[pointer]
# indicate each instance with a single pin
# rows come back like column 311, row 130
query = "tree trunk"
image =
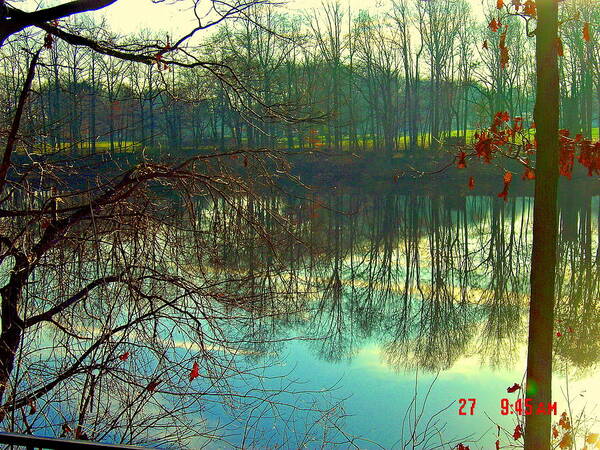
column 12, row 324
column 543, row 260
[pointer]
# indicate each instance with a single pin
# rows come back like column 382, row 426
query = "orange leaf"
column 530, row 8
column 554, row 432
column 591, row 438
column 195, row 373
column 494, row 25
column 471, row 183
column 507, row 180
column 499, row 4
column 566, row 441
column 529, row 174
column 503, row 57
column 586, row 32
column 559, row 47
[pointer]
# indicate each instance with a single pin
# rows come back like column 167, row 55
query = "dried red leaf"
column 48, row 40
column 461, row 164
column 518, row 432
column 471, row 183
column 515, row 387
column 507, row 180
column 589, row 156
column 554, row 432
column 483, row 147
column 124, row 356
column 152, row 386
column 564, row 421
column 195, row 373
column 494, row 25
column 567, row 154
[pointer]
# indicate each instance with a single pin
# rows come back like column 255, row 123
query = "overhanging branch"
column 19, row 20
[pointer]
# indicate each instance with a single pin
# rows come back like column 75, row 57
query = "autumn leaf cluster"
column 508, row 137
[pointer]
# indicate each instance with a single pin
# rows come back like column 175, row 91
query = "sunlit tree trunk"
column 543, row 263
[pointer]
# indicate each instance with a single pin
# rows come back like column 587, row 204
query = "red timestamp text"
column 463, row 403
column 526, row 407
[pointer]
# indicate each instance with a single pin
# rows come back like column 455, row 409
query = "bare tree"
column 115, row 294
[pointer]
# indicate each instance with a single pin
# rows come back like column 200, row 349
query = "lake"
column 395, row 306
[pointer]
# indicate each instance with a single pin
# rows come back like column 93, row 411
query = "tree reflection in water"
column 428, row 278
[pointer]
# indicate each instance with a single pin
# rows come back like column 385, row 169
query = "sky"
column 177, row 17
column 127, row 16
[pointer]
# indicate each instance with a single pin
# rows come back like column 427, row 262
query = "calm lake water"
column 397, row 307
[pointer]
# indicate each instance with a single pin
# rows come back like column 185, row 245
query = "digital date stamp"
column 521, row 407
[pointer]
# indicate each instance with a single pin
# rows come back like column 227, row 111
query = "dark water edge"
column 422, row 172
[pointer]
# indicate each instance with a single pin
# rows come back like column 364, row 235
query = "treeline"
column 406, row 77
